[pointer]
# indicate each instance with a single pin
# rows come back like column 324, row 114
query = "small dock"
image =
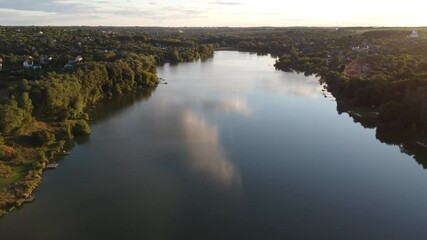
column 351, row 113
column 29, row 199
column 64, row 153
column 421, row 144
column 52, row 166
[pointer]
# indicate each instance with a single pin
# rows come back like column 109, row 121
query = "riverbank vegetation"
column 379, row 77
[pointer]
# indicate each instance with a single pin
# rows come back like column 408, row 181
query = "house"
column 28, row 63
column 413, row 34
column 79, row 58
column 72, row 63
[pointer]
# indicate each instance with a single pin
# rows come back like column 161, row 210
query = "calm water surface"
column 228, row 149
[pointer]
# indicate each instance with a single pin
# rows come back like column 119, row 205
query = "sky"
column 213, row 13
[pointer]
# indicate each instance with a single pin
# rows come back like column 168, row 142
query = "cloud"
column 23, row 17
column 133, row 13
column 98, row 12
column 210, row 13
column 181, row 10
column 78, row 8
column 219, row 2
column 54, row 6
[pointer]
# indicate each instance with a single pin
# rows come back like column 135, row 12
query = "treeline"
column 307, row 63
column 394, row 86
column 40, row 116
column 162, row 53
column 61, row 44
column 185, row 54
column 400, row 103
column 65, row 96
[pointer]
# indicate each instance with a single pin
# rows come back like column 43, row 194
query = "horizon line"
column 265, row 26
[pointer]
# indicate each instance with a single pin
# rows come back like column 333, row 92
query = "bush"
column 1, row 140
column 5, row 171
column 13, row 118
column 7, row 153
column 43, row 138
column 81, row 127
column 40, row 156
column 64, row 133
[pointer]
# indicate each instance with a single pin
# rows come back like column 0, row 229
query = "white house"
column 79, row 58
column 414, row 34
column 28, row 63
column 72, row 63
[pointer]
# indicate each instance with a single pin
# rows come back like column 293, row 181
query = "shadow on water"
column 117, row 104
column 105, row 110
column 407, row 142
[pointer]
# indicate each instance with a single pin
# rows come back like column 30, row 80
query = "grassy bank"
column 26, row 155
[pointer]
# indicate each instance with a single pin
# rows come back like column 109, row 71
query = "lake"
column 229, row 148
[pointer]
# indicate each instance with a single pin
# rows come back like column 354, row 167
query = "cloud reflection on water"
column 297, row 85
column 236, row 105
column 206, row 155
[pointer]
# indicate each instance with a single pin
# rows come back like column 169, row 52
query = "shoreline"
column 53, row 154
column 35, row 178
column 26, row 173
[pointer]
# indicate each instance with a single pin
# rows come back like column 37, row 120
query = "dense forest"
column 386, row 72
column 51, row 76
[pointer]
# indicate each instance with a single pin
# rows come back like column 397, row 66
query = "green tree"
column 43, row 138
column 13, row 118
column 81, row 127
